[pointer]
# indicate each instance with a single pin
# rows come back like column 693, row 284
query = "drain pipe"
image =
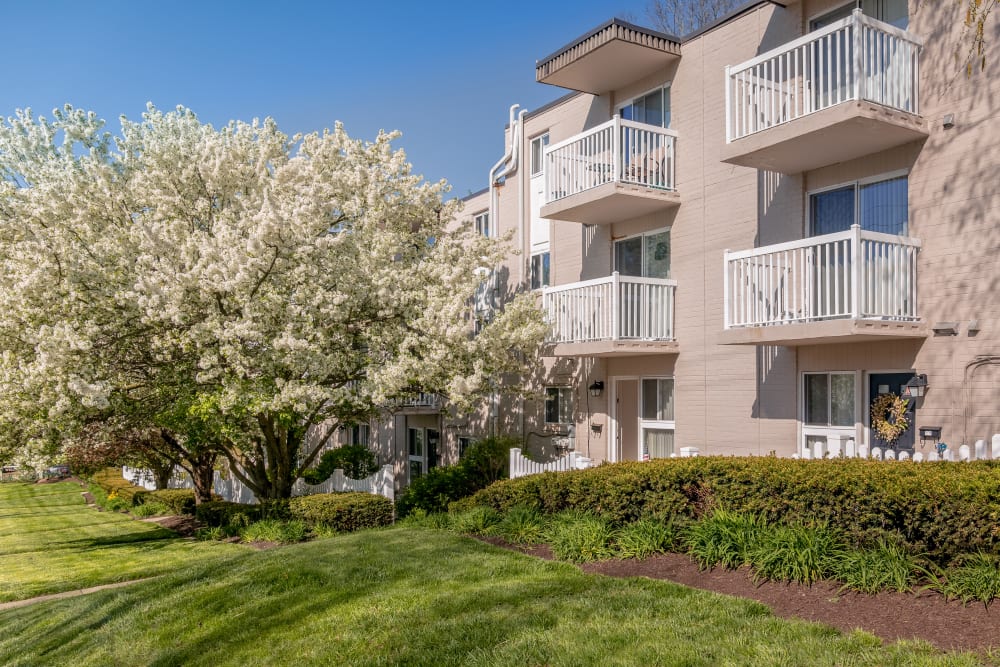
column 494, row 176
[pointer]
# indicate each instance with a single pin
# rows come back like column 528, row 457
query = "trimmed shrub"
column 938, row 509
column 113, row 484
column 178, row 501
column 150, row 508
column 343, row 512
column 219, row 513
column 484, row 462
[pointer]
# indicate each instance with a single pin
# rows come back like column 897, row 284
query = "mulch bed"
column 891, row 616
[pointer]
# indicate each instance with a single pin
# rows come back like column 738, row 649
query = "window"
column 540, row 270
column 656, row 418
column 558, row 405
column 653, row 108
column 645, row 256
column 893, row 12
column 828, row 399
column 878, row 206
column 358, row 435
column 482, row 222
column 538, row 145
column 463, row 444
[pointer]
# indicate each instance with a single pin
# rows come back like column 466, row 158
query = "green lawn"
column 414, row 597
column 50, row 541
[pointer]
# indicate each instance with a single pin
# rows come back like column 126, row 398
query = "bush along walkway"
column 807, row 572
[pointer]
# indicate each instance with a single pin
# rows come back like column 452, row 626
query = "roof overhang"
column 613, row 54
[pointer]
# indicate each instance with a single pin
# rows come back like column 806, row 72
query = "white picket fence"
column 382, row 483
column 981, row 450
column 521, row 466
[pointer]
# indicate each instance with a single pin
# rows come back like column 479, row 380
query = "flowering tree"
column 273, row 287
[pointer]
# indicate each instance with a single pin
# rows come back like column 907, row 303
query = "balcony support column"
column 859, row 54
column 856, row 274
column 616, row 324
column 616, row 144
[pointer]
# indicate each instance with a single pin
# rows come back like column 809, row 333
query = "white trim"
column 806, row 430
column 541, row 153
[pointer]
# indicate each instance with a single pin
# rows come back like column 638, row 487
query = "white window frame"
column 477, row 222
column 559, row 405
column 631, row 101
column 542, row 140
column 543, row 280
column 819, row 430
column 651, row 232
column 657, row 424
column 857, row 183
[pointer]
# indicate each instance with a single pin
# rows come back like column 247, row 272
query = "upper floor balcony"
column 841, row 92
column 845, row 287
column 610, row 56
column 418, row 403
column 616, row 171
column 614, row 316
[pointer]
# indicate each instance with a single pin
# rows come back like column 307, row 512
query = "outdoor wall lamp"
column 596, row 388
column 916, row 386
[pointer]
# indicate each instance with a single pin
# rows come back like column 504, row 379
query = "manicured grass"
column 51, row 542
column 418, row 596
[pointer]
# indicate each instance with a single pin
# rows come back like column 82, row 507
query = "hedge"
column 222, row 513
column 342, row 511
column 940, row 510
column 179, row 501
column 111, row 480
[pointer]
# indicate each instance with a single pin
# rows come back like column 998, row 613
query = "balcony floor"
column 839, row 133
column 611, row 202
column 611, row 348
column 824, row 332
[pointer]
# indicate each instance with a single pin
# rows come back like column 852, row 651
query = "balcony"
column 614, row 316
column 846, row 287
column 845, row 91
column 611, row 56
column 418, row 404
column 616, row 171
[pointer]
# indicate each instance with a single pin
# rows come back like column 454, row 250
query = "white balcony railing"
column 848, row 275
column 420, row 400
column 616, row 151
column 856, row 58
column 613, row 308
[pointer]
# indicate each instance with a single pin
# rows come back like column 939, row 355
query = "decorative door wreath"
column 889, row 417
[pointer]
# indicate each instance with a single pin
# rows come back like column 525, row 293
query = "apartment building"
column 742, row 238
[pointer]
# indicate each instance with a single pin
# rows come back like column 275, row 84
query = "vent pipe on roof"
column 509, row 159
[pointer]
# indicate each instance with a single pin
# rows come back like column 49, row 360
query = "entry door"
column 880, row 383
column 627, row 419
column 433, row 440
column 417, row 448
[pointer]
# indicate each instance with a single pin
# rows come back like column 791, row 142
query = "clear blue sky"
column 443, row 73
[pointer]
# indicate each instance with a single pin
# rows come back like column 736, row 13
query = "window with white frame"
column 482, row 223
column 652, row 108
column 538, row 145
column 540, row 270
column 879, row 205
column 646, row 255
column 828, row 399
column 359, row 434
column 656, row 418
column 558, row 405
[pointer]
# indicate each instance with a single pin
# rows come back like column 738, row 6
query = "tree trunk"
column 161, row 475
column 203, row 474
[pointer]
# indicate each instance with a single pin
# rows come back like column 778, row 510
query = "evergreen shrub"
column 939, row 510
column 343, row 512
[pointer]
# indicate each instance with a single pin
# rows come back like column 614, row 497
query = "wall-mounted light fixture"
column 948, row 121
column 596, row 388
column 917, row 386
